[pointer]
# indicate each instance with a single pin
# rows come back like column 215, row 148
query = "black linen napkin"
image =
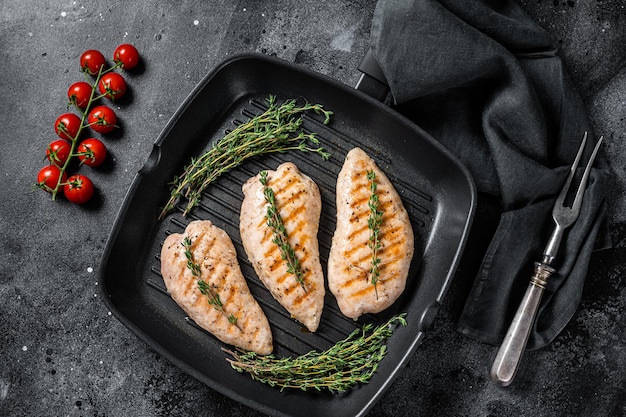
column 484, row 79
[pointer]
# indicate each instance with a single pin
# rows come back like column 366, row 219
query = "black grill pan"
column 436, row 190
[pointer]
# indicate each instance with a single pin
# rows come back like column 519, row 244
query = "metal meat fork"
column 510, row 352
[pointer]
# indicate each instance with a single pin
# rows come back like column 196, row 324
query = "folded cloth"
column 484, row 79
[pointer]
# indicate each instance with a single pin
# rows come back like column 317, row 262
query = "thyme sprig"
column 281, row 237
column 374, row 222
column 203, row 286
column 351, row 361
column 278, row 129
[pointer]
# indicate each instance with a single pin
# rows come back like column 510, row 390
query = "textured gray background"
column 61, row 351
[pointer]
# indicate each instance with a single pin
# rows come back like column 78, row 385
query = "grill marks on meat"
column 350, row 259
column 213, row 251
column 299, row 203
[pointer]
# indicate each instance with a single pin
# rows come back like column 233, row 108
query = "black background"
column 63, row 353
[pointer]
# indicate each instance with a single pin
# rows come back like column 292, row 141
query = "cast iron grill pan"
column 436, row 190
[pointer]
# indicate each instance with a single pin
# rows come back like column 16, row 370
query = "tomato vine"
column 102, row 82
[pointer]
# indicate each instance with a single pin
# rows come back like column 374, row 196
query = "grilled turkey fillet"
column 299, row 203
column 214, row 252
column 350, row 258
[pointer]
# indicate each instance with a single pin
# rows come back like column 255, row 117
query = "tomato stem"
column 74, row 140
column 100, row 88
column 88, row 156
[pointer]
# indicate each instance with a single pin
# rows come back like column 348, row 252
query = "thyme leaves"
column 281, row 238
column 349, row 362
column 278, row 129
column 374, row 223
column 203, row 286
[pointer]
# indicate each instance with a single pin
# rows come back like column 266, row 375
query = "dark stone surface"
column 62, row 353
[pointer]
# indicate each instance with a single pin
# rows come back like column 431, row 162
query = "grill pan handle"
column 372, row 80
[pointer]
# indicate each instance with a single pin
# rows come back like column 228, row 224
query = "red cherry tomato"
column 58, row 152
column 78, row 189
column 79, row 94
column 102, row 119
column 67, row 126
column 48, row 177
column 92, row 152
column 112, row 85
column 126, row 56
column 92, row 62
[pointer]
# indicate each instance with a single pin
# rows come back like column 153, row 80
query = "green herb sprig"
column 281, row 238
column 278, row 129
column 351, row 361
column 374, row 223
column 203, row 286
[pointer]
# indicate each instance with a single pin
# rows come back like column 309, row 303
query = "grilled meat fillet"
column 298, row 201
column 239, row 321
column 351, row 256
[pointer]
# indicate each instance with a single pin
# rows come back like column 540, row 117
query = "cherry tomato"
column 113, row 85
column 78, row 189
column 126, row 56
column 79, row 94
column 48, row 177
column 67, row 126
column 92, row 62
column 58, row 152
column 92, row 152
column 102, row 119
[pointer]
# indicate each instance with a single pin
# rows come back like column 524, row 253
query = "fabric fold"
column 484, row 79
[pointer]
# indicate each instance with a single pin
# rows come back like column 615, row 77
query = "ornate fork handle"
column 512, row 348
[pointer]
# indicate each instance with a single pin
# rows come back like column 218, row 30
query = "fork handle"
column 510, row 353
